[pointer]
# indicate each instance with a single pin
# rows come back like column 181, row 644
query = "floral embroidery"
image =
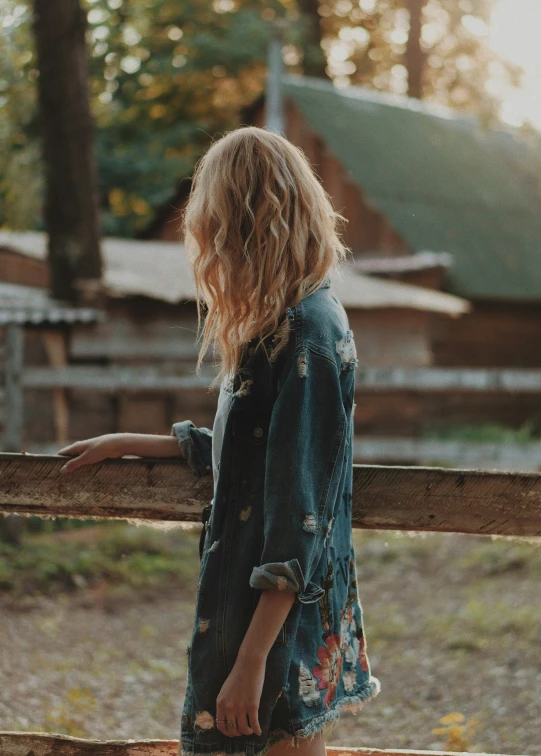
column 353, row 641
column 307, row 686
column 348, row 647
column 329, row 669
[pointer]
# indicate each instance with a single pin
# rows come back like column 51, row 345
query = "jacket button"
column 258, row 431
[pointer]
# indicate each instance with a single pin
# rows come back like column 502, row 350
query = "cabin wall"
column 495, row 334
column 410, row 414
column 392, row 338
column 140, row 331
column 25, row 271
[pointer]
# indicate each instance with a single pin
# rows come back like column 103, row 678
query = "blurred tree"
column 20, row 182
column 415, row 57
column 314, row 62
column 71, row 217
column 436, row 50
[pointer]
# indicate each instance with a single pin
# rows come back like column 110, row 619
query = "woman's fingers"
column 75, row 462
column 247, row 723
column 231, row 719
column 253, row 715
column 220, row 717
column 242, row 724
column 77, row 448
column 222, row 721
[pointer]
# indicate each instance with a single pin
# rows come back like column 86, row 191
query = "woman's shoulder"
column 319, row 322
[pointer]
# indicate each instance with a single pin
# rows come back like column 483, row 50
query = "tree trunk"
column 415, row 58
column 71, row 202
column 315, row 62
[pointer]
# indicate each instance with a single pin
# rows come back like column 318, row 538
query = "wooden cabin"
column 145, row 344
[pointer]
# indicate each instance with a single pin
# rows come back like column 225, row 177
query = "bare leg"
column 307, row 747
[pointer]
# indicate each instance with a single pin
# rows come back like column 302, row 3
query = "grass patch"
column 477, row 623
column 490, row 433
column 117, row 554
column 501, row 556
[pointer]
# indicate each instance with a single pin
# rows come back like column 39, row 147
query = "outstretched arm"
column 115, row 445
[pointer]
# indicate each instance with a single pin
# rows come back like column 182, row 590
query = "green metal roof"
column 443, row 181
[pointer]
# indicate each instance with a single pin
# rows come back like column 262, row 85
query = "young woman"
column 278, row 648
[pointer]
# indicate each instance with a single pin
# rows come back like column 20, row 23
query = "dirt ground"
column 453, row 626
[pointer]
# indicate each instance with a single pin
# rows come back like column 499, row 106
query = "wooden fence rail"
column 38, row 744
column 384, row 498
column 117, row 378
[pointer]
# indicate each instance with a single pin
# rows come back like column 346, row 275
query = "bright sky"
column 515, row 33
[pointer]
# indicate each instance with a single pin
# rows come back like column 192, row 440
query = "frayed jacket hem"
column 311, row 727
column 352, row 702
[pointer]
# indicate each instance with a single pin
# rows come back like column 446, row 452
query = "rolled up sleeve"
column 195, row 445
column 305, row 445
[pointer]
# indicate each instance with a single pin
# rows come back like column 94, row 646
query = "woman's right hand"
column 92, row 450
column 114, row 445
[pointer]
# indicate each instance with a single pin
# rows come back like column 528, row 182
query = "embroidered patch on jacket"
column 329, row 669
column 347, row 350
column 308, row 686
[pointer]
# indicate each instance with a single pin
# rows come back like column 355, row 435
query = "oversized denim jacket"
column 281, row 520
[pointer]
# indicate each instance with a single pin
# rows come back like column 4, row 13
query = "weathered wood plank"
column 111, row 379
column 38, row 744
column 376, row 379
column 148, row 489
column 447, row 379
column 395, row 498
column 13, row 412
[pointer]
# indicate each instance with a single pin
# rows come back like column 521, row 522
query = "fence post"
column 11, row 526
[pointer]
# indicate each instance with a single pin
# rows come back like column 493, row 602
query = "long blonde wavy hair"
column 261, row 234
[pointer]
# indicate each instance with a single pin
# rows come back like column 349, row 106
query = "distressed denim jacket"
column 281, row 520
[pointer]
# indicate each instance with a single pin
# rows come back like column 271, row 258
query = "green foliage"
column 21, row 180
column 481, row 622
column 500, row 556
column 494, row 433
column 166, row 77
column 115, row 554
